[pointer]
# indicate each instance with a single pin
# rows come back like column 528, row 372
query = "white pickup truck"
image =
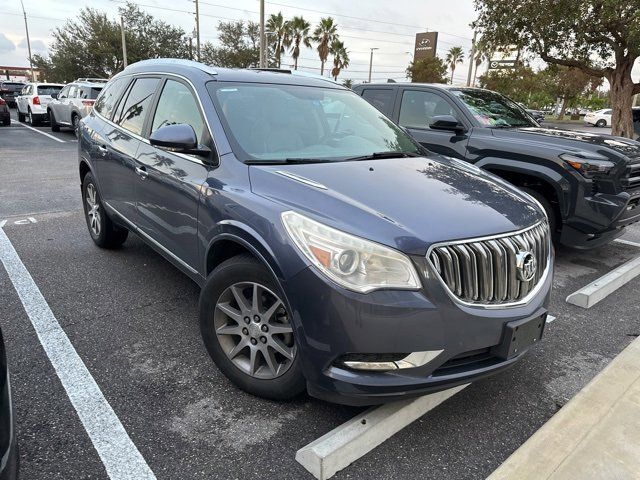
column 33, row 100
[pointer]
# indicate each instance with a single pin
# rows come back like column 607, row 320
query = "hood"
column 405, row 203
column 573, row 141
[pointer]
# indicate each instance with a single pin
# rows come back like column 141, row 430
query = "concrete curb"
column 594, row 436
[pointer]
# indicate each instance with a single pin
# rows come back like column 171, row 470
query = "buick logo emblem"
column 526, row 266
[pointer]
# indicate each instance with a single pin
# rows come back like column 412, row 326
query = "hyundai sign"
column 426, row 44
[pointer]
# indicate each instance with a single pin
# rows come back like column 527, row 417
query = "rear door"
column 415, row 111
column 59, row 106
column 168, row 189
column 381, row 98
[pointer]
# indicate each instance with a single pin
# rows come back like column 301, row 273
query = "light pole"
column 371, row 61
column 124, row 44
column 471, row 59
column 197, row 29
column 263, row 38
column 26, row 28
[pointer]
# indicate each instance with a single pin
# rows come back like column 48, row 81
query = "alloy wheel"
column 93, row 210
column 254, row 330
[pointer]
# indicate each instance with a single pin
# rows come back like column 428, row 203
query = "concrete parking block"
column 345, row 444
column 596, row 435
column 599, row 289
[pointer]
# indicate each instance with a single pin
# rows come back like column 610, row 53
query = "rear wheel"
column 75, row 120
column 247, row 329
column 34, row 120
column 601, row 123
column 554, row 222
column 7, row 121
column 52, row 119
column 20, row 116
column 103, row 231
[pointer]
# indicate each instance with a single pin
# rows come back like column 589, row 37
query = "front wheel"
column 52, row 119
column 20, row 116
column 75, row 123
column 552, row 215
column 103, row 231
column 247, row 329
column 601, row 123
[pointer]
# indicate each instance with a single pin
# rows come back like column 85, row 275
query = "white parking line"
column 38, row 131
column 627, row 242
column 121, row 458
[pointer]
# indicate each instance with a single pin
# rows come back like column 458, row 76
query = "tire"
column 6, row 122
column 103, row 231
column 552, row 214
column 75, row 120
column 20, row 116
column 34, row 120
column 601, row 123
column 284, row 379
column 52, row 119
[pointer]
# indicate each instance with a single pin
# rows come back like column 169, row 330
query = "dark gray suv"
column 334, row 253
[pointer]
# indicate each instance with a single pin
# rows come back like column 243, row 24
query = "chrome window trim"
column 487, row 306
column 154, row 242
column 142, row 139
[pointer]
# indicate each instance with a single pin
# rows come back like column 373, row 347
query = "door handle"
column 142, row 171
column 102, row 149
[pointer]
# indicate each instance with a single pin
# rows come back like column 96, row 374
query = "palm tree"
column 481, row 57
column 347, row 83
column 324, row 34
column 340, row 57
column 278, row 29
column 454, row 56
column 298, row 34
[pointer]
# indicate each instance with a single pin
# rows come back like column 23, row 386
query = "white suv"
column 74, row 102
column 33, row 100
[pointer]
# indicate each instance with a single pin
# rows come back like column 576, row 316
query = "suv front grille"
column 632, row 177
column 485, row 271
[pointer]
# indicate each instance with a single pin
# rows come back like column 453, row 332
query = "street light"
column 26, row 27
column 371, row 61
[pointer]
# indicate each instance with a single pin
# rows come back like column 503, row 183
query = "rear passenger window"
column 178, row 105
column 381, row 98
column 109, row 98
column 134, row 110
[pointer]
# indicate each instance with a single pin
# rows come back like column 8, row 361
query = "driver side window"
column 177, row 105
column 418, row 108
column 64, row 93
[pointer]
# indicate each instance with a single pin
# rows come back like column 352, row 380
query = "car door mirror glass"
column 178, row 137
column 54, row 95
column 445, row 122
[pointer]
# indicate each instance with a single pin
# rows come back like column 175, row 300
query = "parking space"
column 132, row 319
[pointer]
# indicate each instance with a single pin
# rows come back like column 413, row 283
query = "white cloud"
column 6, row 45
column 36, row 45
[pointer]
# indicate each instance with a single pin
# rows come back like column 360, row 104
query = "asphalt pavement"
column 132, row 318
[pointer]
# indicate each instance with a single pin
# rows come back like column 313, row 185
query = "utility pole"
column 190, row 48
column 263, row 38
column 472, row 58
column 371, row 62
column 197, row 29
column 124, row 44
column 26, row 27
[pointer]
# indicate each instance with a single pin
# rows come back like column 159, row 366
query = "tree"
column 601, row 38
column 454, row 56
column 340, row 58
column 239, row 46
column 427, row 70
column 347, row 83
column 520, row 84
column 298, row 35
column 324, row 35
column 278, row 27
column 569, row 83
column 91, row 45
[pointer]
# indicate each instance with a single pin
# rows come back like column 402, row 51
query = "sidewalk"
column 596, row 435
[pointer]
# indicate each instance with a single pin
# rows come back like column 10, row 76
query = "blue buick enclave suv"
column 334, row 253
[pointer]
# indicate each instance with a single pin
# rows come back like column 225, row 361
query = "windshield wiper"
column 285, row 161
column 379, row 155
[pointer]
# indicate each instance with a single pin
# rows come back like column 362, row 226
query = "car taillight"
column 36, row 100
column 88, row 103
column 2, row 102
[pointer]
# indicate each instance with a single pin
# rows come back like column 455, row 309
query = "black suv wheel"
column 103, row 231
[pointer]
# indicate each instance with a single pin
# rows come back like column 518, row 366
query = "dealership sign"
column 498, row 64
column 426, row 44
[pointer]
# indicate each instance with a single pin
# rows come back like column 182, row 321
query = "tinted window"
column 494, row 110
column 89, row 93
column 48, row 89
column 109, row 98
column 178, row 105
column 418, row 108
column 276, row 122
column 134, row 110
column 380, row 98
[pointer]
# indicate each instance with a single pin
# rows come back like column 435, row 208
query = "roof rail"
column 176, row 61
column 295, row 73
column 90, row 79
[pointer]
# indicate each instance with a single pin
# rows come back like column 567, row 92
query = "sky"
column 388, row 26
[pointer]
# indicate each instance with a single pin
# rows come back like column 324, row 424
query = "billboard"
column 426, row 44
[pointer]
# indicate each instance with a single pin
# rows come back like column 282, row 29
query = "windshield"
column 271, row 122
column 494, row 110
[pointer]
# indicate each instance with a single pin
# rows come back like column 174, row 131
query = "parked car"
column 333, row 252
column 33, row 100
column 73, row 102
column 5, row 113
column 588, row 184
column 9, row 91
column 538, row 115
column 8, row 442
column 599, row 118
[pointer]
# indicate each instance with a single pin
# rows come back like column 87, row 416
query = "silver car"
column 74, row 102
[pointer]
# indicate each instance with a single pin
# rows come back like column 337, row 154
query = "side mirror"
column 54, row 95
column 446, row 122
column 179, row 137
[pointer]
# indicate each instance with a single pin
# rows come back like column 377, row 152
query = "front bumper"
column 332, row 322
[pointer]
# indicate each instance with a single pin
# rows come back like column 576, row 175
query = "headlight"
column 350, row 261
column 588, row 167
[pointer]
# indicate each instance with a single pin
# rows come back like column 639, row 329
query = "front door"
column 417, row 109
column 168, row 191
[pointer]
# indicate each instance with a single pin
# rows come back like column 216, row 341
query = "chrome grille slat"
column 484, row 271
